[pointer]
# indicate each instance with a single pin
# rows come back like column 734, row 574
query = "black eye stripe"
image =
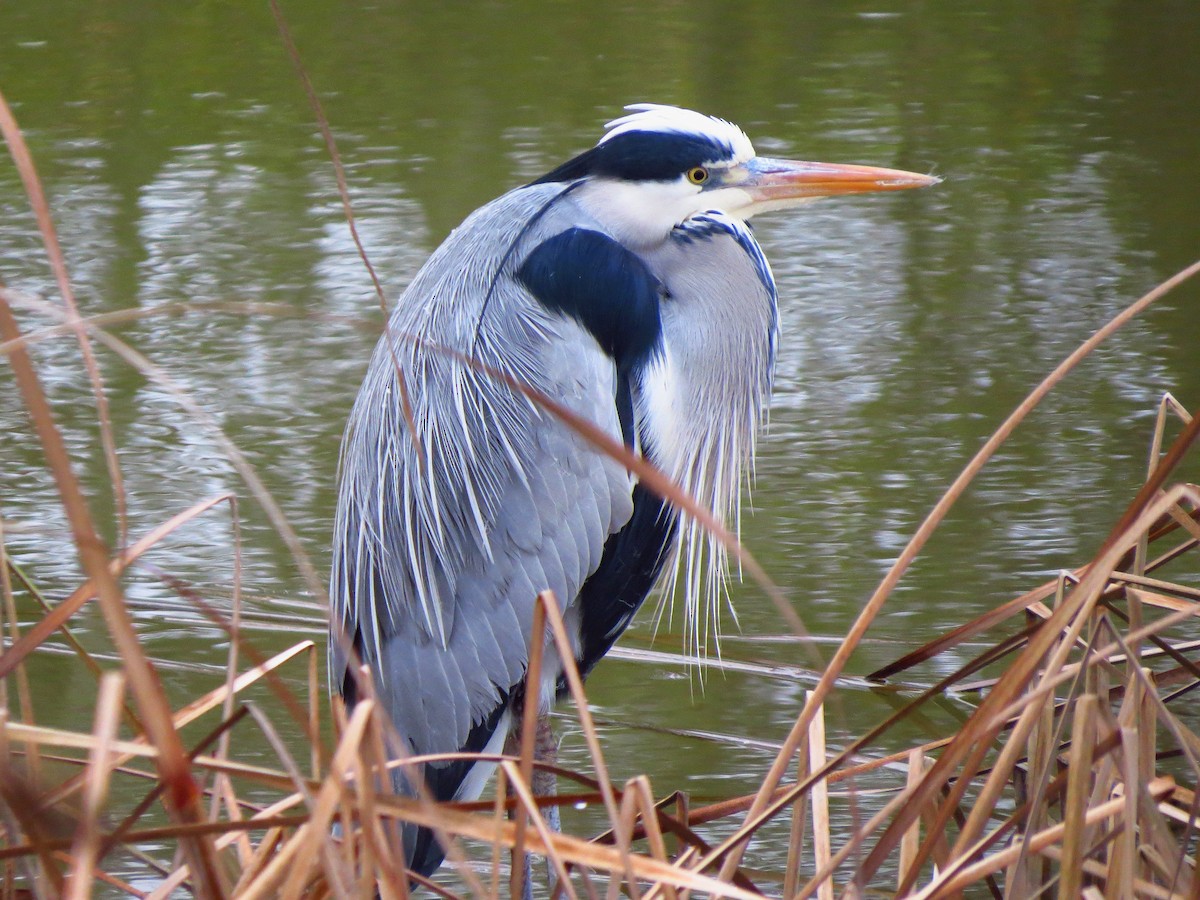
column 643, row 156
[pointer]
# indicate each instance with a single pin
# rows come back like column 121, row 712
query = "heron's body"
column 655, row 324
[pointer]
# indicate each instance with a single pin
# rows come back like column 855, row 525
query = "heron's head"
column 659, row 165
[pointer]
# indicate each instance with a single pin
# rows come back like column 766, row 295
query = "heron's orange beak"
column 781, row 182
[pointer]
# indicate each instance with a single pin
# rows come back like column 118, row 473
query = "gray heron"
column 626, row 285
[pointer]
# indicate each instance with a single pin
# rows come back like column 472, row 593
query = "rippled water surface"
column 188, row 183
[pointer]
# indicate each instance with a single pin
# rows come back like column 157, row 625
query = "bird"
column 626, row 286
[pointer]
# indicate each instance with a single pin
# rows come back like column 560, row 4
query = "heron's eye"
column 697, row 175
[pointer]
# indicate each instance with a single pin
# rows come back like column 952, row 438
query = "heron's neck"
column 703, row 397
column 639, row 215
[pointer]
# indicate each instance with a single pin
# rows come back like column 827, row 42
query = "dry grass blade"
column 956, row 636
column 531, row 813
column 641, row 803
column 1123, row 859
column 289, row 870
column 1070, row 881
column 43, row 628
column 840, row 658
column 195, row 709
column 912, row 837
column 12, row 620
column 86, row 851
column 571, row 850
column 822, row 846
column 973, row 742
column 23, row 159
column 23, row 815
column 520, row 778
column 566, row 654
column 956, row 879
column 791, row 875
column 182, row 796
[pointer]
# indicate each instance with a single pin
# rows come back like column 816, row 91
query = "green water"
column 183, row 167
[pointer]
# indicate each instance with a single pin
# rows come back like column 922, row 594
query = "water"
column 187, row 181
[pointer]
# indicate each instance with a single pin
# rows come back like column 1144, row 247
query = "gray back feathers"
column 450, row 546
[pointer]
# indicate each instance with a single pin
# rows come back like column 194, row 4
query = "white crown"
column 675, row 119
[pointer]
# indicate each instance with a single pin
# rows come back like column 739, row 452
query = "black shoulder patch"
column 588, row 276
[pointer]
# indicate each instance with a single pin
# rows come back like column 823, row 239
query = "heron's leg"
column 545, row 784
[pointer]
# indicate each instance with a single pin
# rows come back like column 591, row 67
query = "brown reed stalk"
column 819, row 797
column 912, row 838
column 520, row 778
column 791, row 874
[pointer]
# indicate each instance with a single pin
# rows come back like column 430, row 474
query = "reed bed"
column 1075, row 772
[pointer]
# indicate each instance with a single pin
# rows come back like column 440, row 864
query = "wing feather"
column 440, row 551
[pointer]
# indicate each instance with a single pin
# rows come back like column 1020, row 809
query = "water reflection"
column 182, row 167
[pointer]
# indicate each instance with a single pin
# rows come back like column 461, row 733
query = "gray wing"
column 442, row 544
